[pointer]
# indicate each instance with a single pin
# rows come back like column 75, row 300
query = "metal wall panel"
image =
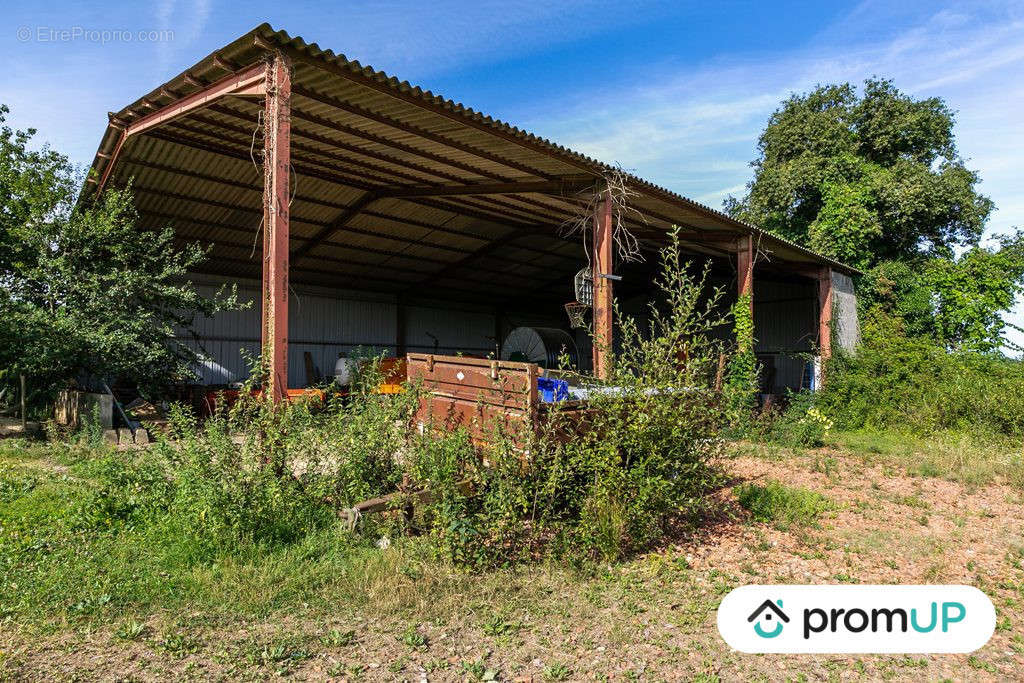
column 325, row 323
column 845, row 321
column 318, row 323
column 469, row 332
column 785, row 325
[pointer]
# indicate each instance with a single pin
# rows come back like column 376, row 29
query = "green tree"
column 83, row 290
column 876, row 181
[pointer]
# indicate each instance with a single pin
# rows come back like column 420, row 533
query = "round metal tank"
column 343, row 370
column 540, row 345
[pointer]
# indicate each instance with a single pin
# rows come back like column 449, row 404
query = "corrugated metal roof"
column 357, row 131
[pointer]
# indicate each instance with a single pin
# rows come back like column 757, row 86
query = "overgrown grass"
column 970, row 459
column 781, row 505
column 914, row 385
column 244, row 507
column 59, row 569
column 911, row 403
column 63, row 575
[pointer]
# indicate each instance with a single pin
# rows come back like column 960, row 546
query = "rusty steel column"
column 745, row 271
column 602, row 266
column 824, row 318
column 276, row 196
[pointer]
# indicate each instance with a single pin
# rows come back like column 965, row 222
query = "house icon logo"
column 768, row 619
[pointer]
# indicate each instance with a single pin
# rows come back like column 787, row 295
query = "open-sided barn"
column 359, row 210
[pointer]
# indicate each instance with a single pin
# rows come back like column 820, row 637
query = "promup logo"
column 764, row 615
column 856, row 619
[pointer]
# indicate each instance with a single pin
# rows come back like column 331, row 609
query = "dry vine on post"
column 627, row 246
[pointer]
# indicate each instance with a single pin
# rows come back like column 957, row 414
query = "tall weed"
column 609, row 479
column 599, row 482
column 912, row 384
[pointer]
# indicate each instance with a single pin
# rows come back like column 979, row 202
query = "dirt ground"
column 652, row 618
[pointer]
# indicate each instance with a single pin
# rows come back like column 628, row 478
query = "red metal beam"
column 571, row 184
column 276, row 200
column 824, row 319
column 745, row 271
column 417, row 131
column 603, row 267
column 249, row 81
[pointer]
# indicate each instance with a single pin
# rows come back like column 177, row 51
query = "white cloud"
column 695, row 131
column 187, row 20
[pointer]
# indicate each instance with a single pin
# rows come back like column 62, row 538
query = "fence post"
column 24, row 420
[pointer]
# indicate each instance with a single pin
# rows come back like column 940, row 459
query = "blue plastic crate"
column 552, row 390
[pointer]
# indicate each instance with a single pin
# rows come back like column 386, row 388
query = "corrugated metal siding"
column 319, row 323
column 845, row 321
column 785, row 325
column 456, row 331
column 325, row 323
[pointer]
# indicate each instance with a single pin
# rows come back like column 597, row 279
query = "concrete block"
column 124, row 437
column 73, row 408
column 141, row 437
column 110, row 436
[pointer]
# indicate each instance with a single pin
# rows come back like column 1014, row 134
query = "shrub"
column 596, row 485
column 610, row 481
column 255, row 474
column 801, row 424
column 896, row 381
column 781, row 505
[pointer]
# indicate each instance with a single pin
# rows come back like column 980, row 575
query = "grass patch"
column 965, row 458
column 969, row 459
column 74, row 571
column 330, row 605
column 781, row 505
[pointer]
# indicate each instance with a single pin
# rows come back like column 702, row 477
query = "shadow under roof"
column 395, row 189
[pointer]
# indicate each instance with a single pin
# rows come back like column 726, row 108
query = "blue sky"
column 675, row 91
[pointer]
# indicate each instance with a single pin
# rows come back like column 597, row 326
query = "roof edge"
column 313, row 54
